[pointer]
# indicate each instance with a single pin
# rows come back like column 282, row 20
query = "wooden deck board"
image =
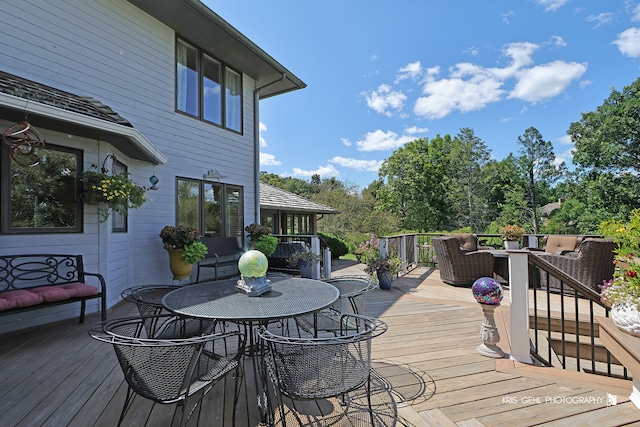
column 427, row 373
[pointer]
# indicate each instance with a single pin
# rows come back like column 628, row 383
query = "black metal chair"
column 320, row 368
column 352, row 300
column 170, row 371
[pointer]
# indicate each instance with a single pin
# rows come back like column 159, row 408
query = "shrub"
column 266, row 244
column 194, row 252
column 337, row 246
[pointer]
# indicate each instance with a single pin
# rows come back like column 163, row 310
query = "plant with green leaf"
column 186, row 239
column 117, row 192
column 194, row 252
column 306, row 256
column 266, row 244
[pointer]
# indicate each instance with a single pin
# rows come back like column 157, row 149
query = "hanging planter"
column 115, row 193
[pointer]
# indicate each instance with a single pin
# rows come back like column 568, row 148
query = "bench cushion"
column 21, row 298
column 80, row 289
column 52, row 293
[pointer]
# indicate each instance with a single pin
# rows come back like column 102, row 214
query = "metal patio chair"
column 170, row 371
column 352, row 300
column 320, row 368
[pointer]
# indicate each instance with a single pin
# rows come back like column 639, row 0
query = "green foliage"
column 179, row 237
column 266, row 244
column 338, row 247
column 117, row 192
column 194, row 252
column 307, row 256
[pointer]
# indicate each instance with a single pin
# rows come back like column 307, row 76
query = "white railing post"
column 403, row 253
column 416, row 250
column 519, row 288
column 383, row 246
column 315, row 248
column 327, row 263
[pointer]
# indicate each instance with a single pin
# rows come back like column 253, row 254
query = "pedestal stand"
column 489, row 334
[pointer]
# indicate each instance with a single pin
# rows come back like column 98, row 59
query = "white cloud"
column 411, row 71
column 546, row 81
column 346, row 142
column 383, row 99
column 506, row 16
column 552, row 5
column 263, row 128
column 360, row 165
column 565, row 157
column 267, row 159
column 473, row 51
column 628, row 42
column 584, row 83
column 601, row 19
column 558, row 41
column 379, row 141
column 323, row 171
column 446, row 95
column 414, row 130
column 635, row 14
column 565, row 140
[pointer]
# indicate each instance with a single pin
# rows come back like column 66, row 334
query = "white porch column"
column 315, row 248
column 403, row 253
column 327, row 263
column 519, row 289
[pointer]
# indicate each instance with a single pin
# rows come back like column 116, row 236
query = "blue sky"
column 382, row 73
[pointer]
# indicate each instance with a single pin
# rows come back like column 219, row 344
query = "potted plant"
column 260, row 238
column 117, row 192
column 385, row 268
column 511, row 234
column 622, row 292
column 305, row 261
column 184, row 247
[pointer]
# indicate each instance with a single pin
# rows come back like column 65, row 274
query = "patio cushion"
column 80, row 289
column 52, row 293
column 21, row 298
column 6, row 304
column 468, row 242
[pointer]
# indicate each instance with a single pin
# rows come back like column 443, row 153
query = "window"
column 216, row 209
column 298, row 224
column 42, row 198
column 207, row 89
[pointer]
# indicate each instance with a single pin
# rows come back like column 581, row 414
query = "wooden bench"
column 223, row 251
column 29, row 282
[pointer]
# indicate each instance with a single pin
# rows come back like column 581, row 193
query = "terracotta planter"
column 180, row 269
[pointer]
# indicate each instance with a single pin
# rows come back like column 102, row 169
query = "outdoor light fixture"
column 213, row 174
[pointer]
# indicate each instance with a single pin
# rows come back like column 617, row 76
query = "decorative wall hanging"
column 23, row 139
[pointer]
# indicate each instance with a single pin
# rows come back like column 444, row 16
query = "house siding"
column 113, row 52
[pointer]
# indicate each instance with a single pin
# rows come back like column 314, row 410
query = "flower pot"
column 384, row 279
column 626, row 317
column 180, row 269
column 306, row 268
column 509, row 244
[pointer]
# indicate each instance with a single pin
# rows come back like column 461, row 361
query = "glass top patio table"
column 221, row 301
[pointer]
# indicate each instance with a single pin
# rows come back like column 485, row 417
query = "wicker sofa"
column 590, row 265
column 459, row 267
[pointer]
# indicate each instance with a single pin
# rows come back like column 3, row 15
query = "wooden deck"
column 427, row 373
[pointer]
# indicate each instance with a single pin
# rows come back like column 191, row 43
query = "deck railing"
column 562, row 323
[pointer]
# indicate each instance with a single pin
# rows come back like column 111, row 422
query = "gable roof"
column 198, row 24
column 275, row 198
column 55, row 109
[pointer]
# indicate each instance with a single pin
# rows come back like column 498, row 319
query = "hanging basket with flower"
column 117, row 192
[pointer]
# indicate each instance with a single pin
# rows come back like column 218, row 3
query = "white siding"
column 110, row 50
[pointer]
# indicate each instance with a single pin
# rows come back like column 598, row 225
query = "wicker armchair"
column 590, row 265
column 352, row 300
column 458, row 267
column 319, row 368
column 170, row 371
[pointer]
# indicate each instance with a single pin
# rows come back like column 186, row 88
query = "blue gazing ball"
column 487, row 291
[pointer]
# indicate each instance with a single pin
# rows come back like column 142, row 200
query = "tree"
column 607, row 151
column 469, row 155
column 609, row 137
column 537, row 163
column 416, row 190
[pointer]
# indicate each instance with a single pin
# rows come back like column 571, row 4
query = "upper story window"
column 206, row 88
column 42, row 198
